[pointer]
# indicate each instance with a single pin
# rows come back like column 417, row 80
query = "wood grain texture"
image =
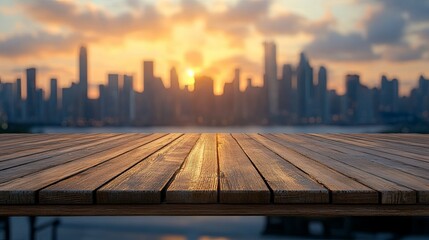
column 417, row 167
column 288, row 183
column 391, row 193
column 29, row 152
column 415, row 156
column 23, row 190
column 11, row 148
column 389, row 171
column 240, row 182
column 197, row 180
column 31, row 164
column 390, row 144
column 214, row 174
column 20, row 158
column 145, row 182
column 343, row 189
column 80, row 188
column 412, row 139
column 15, row 139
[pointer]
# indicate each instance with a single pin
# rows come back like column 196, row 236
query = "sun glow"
column 190, row 73
column 190, row 78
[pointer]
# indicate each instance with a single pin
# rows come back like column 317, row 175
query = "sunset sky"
column 368, row 37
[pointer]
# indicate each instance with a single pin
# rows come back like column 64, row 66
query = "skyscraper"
column 83, row 71
column 352, row 95
column 270, row 78
column 148, row 76
column 304, row 87
column 322, row 94
column 126, row 96
column 174, row 80
column 149, row 101
column 285, row 90
column 175, row 94
column 7, row 109
column 53, row 101
column 31, row 101
column 389, row 95
column 204, row 99
column 40, row 106
column 18, row 100
column 113, row 97
column 83, row 106
column 236, row 94
column 102, row 103
column 18, row 89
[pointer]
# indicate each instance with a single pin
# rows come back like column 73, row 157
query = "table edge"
column 216, row 210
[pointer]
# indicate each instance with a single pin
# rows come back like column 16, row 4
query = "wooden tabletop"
column 214, row 174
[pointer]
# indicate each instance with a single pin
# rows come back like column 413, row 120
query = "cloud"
column 244, row 11
column 424, row 34
column 37, row 44
column 243, row 19
column 415, row 10
column 385, row 26
column 145, row 20
column 340, row 47
column 194, row 58
column 284, row 24
column 291, row 24
column 90, row 20
column 403, row 52
column 133, row 4
column 190, row 10
column 235, row 22
column 389, row 26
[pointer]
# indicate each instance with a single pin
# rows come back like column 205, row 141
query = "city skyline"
column 269, row 61
column 299, row 96
column 369, row 38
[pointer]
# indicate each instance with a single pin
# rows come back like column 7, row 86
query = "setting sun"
column 190, row 73
column 190, row 78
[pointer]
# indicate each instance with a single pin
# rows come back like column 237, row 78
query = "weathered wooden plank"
column 343, row 188
column 391, row 193
column 13, row 139
column 417, row 167
column 240, row 182
column 23, row 190
column 28, row 165
column 31, row 155
column 26, row 145
column 411, row 140
column 44, row 149
column 11, row 136
column 386, row 171
column 305, row 210
column 24, row 140
column 197, row 179
column 144, row 182
column 417, row 164
column 401, row 149
column 288, row 183
column 80, row 188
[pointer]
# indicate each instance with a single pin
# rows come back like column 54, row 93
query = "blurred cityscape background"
column 214, row 63
column 299, row 96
